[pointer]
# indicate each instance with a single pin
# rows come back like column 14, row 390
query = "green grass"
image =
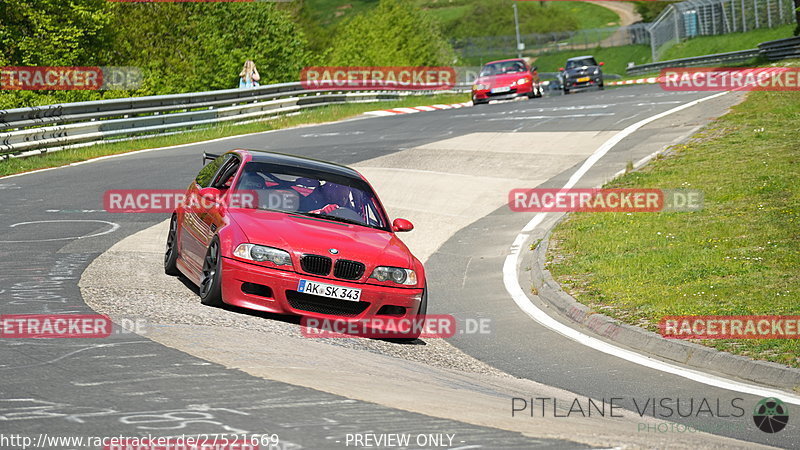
column 328, row 12
column 739, row 255
column 496, row 16
column 317, row 115
column 707, row 45
column 588, row 15
column 450, row 13
column 615, row 58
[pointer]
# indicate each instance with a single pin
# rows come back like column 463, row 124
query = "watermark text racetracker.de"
column 375, row 77
column 69, row 78
column 605, row 200
column 431, row 326
column 730, row 79
column 730, row 327
column 67, row 326
column 165, row 201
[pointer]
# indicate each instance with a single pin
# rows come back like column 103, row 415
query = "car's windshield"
column 500, row 68
column 309, row 192
column 573, row 63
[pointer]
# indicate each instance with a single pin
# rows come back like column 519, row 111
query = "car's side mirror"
column 534, row 69
column 401, row 225
column 560, row 69
column 602, row 63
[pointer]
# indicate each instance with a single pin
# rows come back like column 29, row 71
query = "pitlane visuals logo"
column 771, row 415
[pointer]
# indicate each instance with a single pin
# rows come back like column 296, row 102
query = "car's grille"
column 500, row 94
column 348, row 270
column 318, row 265
column 325, row 305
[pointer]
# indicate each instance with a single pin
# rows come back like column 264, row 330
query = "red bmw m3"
column 292, row 235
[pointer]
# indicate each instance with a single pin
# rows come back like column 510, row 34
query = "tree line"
column 188, row 47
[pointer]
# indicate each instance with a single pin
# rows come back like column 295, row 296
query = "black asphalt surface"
column 129, row 386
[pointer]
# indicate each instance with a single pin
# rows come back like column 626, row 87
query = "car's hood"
column 501, row 80
column 300, row 234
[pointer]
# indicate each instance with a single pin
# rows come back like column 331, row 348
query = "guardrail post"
column 755, row 11
column 744, row 18
column 769, row 14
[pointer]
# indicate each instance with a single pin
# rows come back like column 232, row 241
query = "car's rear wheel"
column 566, row 91
column 171, row 254
column 211, row 281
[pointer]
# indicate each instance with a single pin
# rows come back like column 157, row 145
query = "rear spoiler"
column 209, row 157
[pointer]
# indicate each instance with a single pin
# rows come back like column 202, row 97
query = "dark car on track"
column 506, row 80
column 581, row 72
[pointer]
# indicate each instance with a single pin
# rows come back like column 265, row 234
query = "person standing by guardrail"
column 249, row 77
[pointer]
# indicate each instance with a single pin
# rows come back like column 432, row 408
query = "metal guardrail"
column 780, row 49
column 25, row 131
column 773, row 50
column 696, row 61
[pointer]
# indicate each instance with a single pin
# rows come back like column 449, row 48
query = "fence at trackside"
column 35, row 130
column 693, row 18
column 772, row 50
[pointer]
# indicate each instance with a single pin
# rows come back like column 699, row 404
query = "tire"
column 566, row 91
column 171, row 253
column 211, row 281
column 600, row 86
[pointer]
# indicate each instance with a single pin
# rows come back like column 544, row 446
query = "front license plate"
column 329, row 290
column 584, row 79
column 501, row 90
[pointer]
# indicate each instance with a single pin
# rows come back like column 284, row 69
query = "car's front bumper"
column 486, row 95
column 574, row 83
column 261, row 288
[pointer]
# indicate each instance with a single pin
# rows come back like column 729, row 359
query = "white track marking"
column 511, row 282
column 114, row 227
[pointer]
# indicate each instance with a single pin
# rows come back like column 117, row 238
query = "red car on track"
column 292, row 235
column 505, row 80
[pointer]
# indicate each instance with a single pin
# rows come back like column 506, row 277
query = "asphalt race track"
column 448, row 172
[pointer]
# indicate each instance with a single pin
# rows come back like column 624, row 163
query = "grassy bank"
column 739, row 255
column 318, row 115
column 707, row 45
column 460, row 18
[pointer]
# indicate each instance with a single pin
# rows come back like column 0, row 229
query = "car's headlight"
column 520, row 81
column 400, row 276
column 481, row 87
column 260, row 253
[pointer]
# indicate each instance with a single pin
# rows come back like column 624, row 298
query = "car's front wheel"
column 171, row 254
column 211, row 281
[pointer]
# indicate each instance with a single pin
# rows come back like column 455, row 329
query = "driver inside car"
column 336, row 196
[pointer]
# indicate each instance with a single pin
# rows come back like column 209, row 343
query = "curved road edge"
column 648, row 343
